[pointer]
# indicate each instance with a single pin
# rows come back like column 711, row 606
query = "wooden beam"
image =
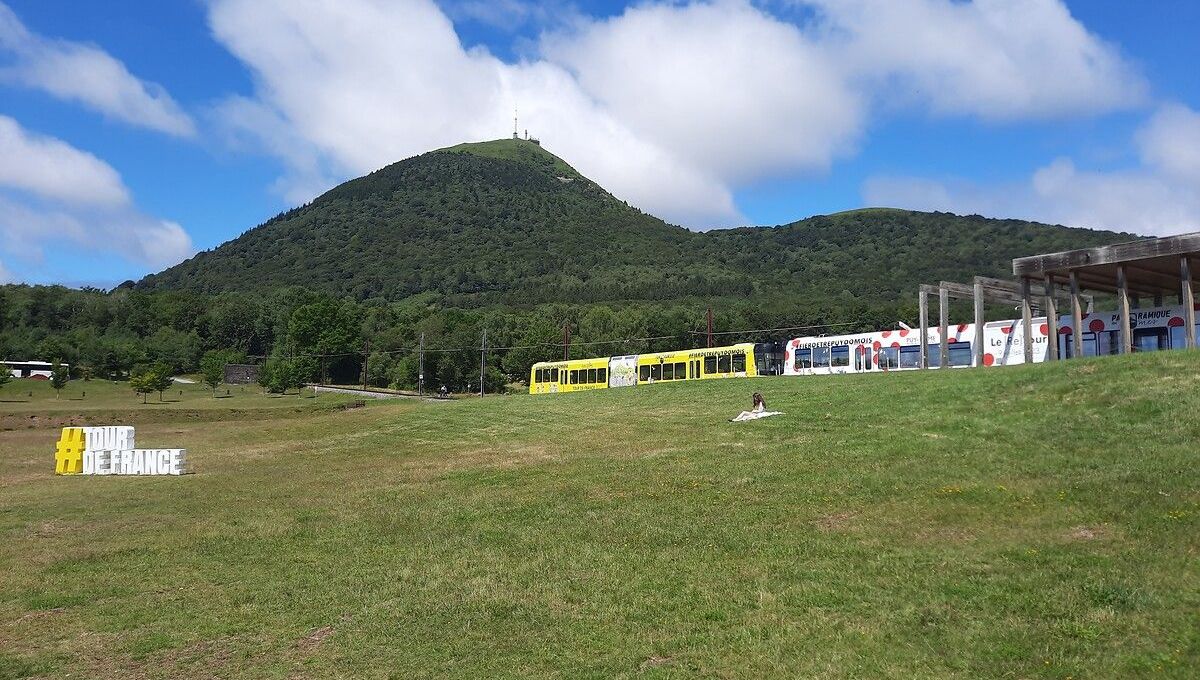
column 1189, row 302
column 978, row 324
column 1097, row 282
column 1038, row 265
column 943, row 328
column 1123, row 310
column 1027, row 319
column 923, row 317
column 1051, row 322
column 1076, row 317
column 1152, row 277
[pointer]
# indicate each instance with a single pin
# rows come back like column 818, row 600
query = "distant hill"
column 507, row 222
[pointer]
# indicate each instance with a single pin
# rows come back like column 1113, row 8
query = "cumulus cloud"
column 52, row 193
column 671, row 106
column 54, row 169
column 1159, row 197
column 86, row 74
column 996, row 59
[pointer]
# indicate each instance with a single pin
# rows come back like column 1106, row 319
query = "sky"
column 135, row 133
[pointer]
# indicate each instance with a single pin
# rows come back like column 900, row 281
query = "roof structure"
column 1152, row 266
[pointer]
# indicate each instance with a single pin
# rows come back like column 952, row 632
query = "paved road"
column 373, row 394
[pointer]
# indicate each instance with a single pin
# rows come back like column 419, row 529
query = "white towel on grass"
column 754, row 415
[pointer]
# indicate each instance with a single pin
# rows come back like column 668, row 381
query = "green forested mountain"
column 504, row 238
column 508, row 222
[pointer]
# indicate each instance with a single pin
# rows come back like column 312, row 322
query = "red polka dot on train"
column 1065, row 330
column 951, row 340
column 886, row 333
column 903, row 333
column 1006, row 329
column 876, row 345
column 962, row 328
column 1044, row 329
column 895, row 345
column 1096, row 326
column 875, row 359
column 988, row 359
column 1175, row 322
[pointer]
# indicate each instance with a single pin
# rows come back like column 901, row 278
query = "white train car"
column 1156, row 328
column 900, row 350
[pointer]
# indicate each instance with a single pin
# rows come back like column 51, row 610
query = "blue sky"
column 134, row 133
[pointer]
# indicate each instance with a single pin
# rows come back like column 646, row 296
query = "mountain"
column 508, row 222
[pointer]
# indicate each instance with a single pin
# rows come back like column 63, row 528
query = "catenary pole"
column 421, row 367
column 482, row 360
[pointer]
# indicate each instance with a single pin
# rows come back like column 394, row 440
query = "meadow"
column 1029, row 522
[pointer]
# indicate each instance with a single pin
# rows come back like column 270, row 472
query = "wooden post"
column 943, row 328
column 1027, row 318
column 1051, row 320
column 1123, row 310
column 421, row 366
column 923, row 314
column 482, row 360
column 1076, row 317
column 979, row 324
column 1189, row 302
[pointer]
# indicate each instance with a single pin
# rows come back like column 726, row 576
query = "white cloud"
column 1171, row 142
column 996, row 59
column 89, row 75
column 724, row 87
column 55, row 169
column 1160, row 197
column 671, row 106
column 51, row 193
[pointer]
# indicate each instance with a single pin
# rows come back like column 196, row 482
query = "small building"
column 38, row 370
column 241, row 374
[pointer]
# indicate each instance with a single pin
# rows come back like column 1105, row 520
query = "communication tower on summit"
column 515, row 135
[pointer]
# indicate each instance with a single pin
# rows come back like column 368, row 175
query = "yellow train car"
column 733, row 361
column 576, row 375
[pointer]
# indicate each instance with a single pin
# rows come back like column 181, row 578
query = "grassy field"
column 1039, row 522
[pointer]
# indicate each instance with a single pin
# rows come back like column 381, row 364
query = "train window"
column 723, row 363
column 820, row 357
column 602, row 375
column 644, row 372
column 1177, row 341
column 910, row 357
column 574, row 377
column 840, row 355
column 681, row 371
column 710, row 365
column 739, row 362
column 668, row 371
column 656, row 371
column 803, row 359
column 591, row 376
column 889, row 357
column 1149, row 339
column 554, row 375
column 1108, row 342
column 960, row 354
column 935, row 355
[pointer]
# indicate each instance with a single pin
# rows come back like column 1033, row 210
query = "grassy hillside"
column 1033, row 522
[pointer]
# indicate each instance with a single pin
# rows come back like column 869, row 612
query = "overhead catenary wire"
column 446, row 350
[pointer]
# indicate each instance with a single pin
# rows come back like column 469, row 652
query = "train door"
column 694, row 371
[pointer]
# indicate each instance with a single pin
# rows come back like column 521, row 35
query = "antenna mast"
column 515, row 135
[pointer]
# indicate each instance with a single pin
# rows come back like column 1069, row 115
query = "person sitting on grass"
column 757, row 408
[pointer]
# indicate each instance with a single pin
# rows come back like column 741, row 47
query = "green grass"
column 37, row 396
column 1025, row 522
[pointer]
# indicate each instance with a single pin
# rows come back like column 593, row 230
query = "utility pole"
column 421, row 368
column 566, row 340
column 366, row 358
column 710, row 327
column 482, row 360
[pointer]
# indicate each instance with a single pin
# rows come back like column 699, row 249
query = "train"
column 1153, row 329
